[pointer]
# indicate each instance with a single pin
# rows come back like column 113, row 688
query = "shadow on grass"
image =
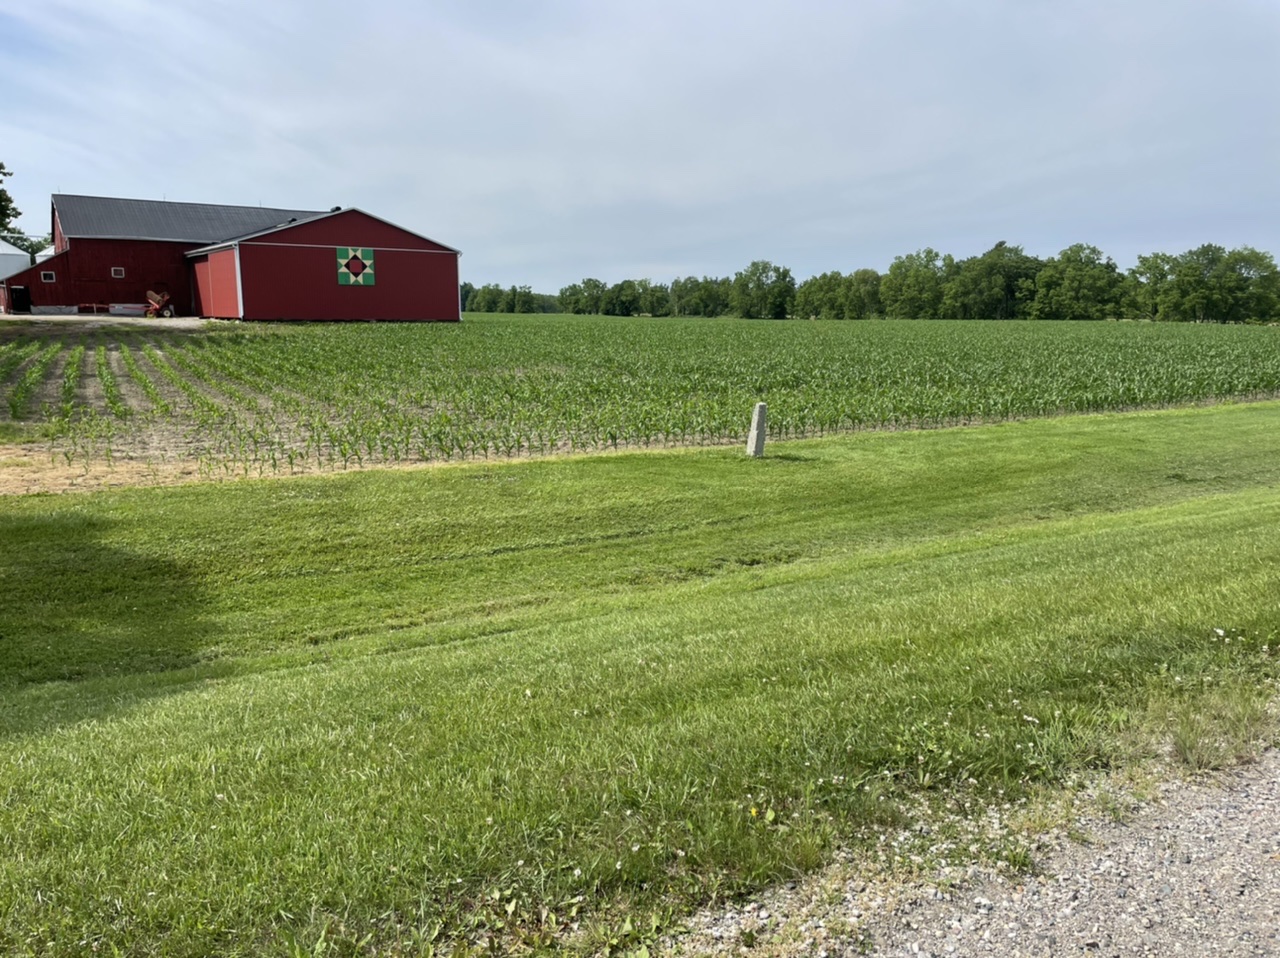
column 76, row 606
column 789, row 457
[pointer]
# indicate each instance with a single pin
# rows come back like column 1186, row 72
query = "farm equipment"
column 158, row 305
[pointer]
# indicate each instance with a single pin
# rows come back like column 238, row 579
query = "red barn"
column 235, row 262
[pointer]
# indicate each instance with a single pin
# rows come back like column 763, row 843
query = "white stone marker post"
column 755, row 438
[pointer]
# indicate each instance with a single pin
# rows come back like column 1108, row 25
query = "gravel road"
column 1194, row 869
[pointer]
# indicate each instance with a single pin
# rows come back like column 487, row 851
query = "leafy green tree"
column 655, row 298
column 464, row 294
column 570, row 298
column 546, row 303
column 582, row 298
column 1260, row 302
column 1211, row 285
column 518, row 299
column 763, row 291
column 1079, row 283
column 1147, row 286
column 1201, row 290
column 1206, row 285
column 593, row 291
column 912, row 288
column 862, row 295
column 999, row 284
column 821, row 297
column 622, row 299
column 487, row 299
column 708, row 296
column 8, row 212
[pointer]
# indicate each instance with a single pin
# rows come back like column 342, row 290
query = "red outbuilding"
column 235, row 262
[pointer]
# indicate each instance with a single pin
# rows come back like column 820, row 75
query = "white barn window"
column 48, row 276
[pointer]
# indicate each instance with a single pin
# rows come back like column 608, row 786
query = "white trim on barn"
column 239, row 286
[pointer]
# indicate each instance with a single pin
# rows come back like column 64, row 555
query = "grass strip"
column 514, row 697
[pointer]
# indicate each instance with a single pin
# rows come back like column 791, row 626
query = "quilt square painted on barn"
column 355, row 266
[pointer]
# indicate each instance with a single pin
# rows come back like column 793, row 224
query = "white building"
column 12, row 260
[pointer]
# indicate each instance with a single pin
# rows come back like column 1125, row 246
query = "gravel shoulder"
column 1175, row 867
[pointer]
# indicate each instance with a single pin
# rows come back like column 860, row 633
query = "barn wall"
column 62, row 292
column 148, row 265
column 352, row 228
column 301, row 282
column 214, row 277
column 83, row 274
column 59, row 238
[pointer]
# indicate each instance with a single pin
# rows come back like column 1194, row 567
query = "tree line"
column 1206, row 284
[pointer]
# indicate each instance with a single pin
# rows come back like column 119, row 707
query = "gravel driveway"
column 1192, row 870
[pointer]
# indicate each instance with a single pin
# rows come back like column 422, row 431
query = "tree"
column 763, row 291
column 487, row 299
column 655, row 298
column 570, row 298
column 1147, row 286
column 999, row 284
column 464, row 294
column 518, row 299
column 862, row 294
column 912, row 289
column 707, row 296
column 546, row 303
column 583, row 298
column 1200, row 290
column 1260, row 302
column 8, row 212
column 1206, row 285
column 621, row 299
column 1080, row 283
column 821, row 297
column 1211, row 285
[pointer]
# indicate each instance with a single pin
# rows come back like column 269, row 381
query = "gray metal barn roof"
column 104, row 217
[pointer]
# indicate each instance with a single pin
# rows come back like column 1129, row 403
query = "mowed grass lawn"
column 394, row 711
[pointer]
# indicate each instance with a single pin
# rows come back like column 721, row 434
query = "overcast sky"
column 555, row 139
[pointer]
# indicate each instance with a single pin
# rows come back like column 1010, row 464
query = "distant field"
column 526, row 706
column 266, row 399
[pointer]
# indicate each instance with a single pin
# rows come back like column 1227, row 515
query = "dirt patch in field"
column 11, row 327
column 31, row 468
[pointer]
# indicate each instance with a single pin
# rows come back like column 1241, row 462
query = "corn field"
column 259, row 400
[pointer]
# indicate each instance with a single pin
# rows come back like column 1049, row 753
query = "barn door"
column 20, row 299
